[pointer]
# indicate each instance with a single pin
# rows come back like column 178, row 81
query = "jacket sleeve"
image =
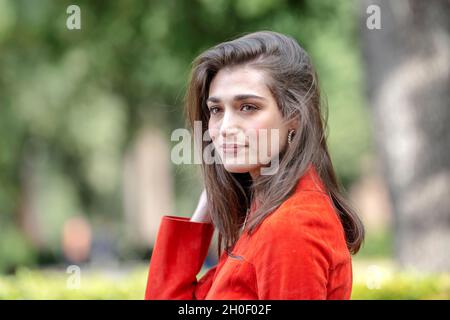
column 291, row 259
column 180, row 249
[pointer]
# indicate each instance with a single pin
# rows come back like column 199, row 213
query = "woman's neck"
column 254, row 173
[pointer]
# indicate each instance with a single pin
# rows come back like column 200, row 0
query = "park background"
column 86, row 117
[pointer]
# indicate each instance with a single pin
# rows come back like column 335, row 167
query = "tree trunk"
column 407, row 65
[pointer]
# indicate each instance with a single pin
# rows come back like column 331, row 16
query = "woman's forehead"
column 238, row 81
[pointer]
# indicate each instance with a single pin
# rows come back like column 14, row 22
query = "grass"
column 373, row 279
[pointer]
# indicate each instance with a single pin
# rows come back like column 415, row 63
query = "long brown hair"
column 294, row 84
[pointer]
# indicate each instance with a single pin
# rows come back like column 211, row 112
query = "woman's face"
column 245, row 125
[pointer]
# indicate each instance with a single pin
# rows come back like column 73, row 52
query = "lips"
column 232, row 145
column 232, row 148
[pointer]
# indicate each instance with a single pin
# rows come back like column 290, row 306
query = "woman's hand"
column 201, row 213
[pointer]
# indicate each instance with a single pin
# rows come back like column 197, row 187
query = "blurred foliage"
column 377, row 244
column 404, row 286
column 15, row 250
column 29, row 284
column 391, row 284
column 71, row 101
column 382, row 279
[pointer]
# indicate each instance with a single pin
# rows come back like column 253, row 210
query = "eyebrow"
column 238, row 97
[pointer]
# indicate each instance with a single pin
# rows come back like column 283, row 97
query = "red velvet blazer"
column 298, row 252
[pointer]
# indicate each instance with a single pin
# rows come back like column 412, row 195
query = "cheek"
column 267, row 130
column 267, row 119
column 258, row 126
column 213, row 130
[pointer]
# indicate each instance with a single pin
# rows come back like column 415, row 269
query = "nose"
column 230, row 125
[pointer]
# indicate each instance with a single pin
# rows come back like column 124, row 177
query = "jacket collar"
column 309, row 181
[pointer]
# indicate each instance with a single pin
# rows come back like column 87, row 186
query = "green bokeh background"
column 72, row 101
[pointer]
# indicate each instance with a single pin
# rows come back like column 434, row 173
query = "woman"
column 286, row 229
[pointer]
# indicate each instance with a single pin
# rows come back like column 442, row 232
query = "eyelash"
column 253, row 108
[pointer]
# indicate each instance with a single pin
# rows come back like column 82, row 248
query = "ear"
column 293, row 124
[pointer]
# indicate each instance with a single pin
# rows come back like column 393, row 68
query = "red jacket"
column 298, row 252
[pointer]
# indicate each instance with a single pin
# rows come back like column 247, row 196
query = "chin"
column 236, row 168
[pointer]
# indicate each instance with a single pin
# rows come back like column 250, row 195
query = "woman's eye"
column 248, row 107
column 214, row 110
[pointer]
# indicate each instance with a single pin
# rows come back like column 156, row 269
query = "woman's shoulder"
column 306, row 211
column 306, row 218
column 309, row 206
column 306, row 223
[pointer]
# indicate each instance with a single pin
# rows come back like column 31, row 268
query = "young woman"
column 286, row 230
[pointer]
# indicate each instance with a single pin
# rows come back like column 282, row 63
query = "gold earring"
column 291, row 132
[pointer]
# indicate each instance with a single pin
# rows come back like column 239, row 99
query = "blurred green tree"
column 71, row 101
